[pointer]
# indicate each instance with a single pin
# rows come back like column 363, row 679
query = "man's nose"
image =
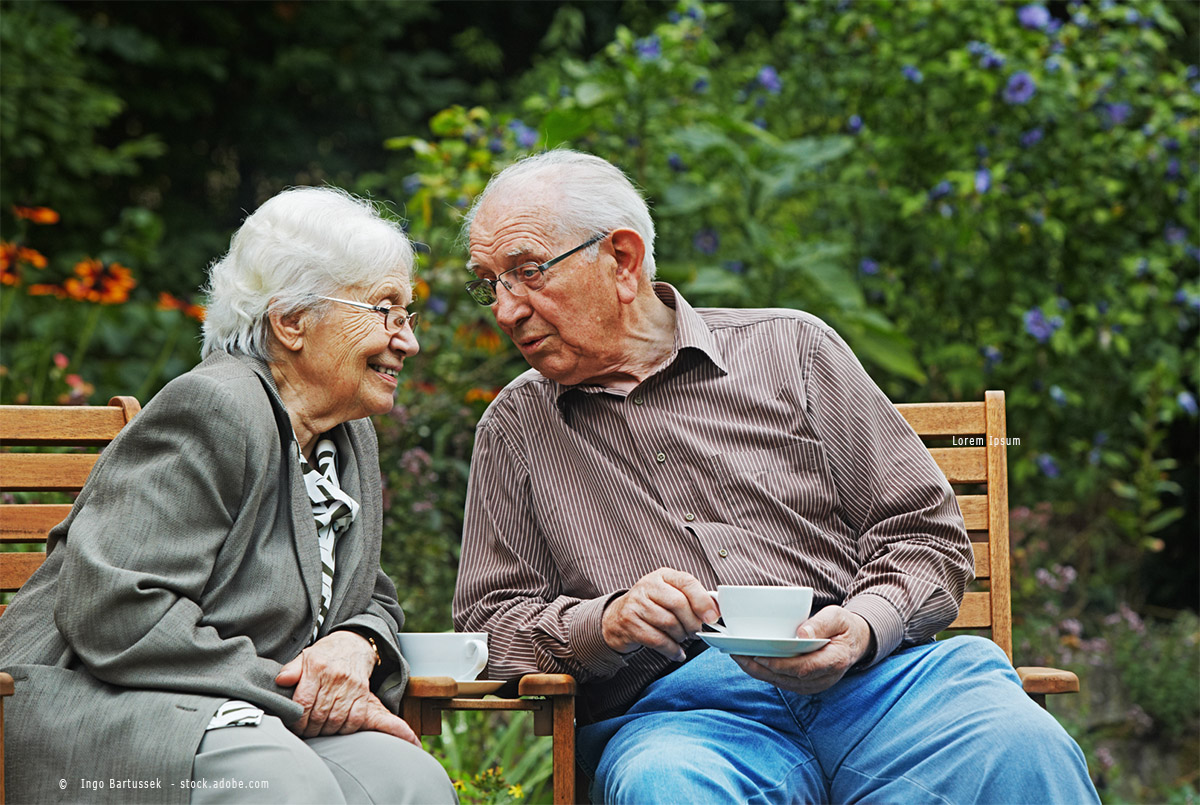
column 510, row 309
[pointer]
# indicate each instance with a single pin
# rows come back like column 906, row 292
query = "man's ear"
column 629, row 250
column 288, row 330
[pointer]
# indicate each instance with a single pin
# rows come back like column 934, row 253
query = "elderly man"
column 654, row 451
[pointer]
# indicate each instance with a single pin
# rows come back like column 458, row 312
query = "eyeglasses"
column 395, row 318
column 521, row 280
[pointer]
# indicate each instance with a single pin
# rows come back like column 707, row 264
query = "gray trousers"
column 268, row 763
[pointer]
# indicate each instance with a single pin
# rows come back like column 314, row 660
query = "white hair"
column 587, row 196
column 301, row 244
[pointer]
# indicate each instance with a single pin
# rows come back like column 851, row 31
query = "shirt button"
column 638, row 400
column 661, row 457
column 689, row 517
column 722, row 553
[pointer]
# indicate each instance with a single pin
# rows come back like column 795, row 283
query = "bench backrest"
column 968, row 443
column 52, row 426
column 968, row 440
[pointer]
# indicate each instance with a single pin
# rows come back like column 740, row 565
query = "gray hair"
column 590, row 196
column 302, row 244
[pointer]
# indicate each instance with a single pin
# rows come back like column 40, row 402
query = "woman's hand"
column 332, row 679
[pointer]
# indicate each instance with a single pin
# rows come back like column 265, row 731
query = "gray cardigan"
column 187, row 574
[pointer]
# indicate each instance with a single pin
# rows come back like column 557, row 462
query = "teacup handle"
column 476, row 653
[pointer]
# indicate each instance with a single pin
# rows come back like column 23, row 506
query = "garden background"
column 976, row 195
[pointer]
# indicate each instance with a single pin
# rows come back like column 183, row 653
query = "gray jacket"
column 187, row 574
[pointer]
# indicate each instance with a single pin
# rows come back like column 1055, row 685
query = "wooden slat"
column 944, row 419
column 962, row 465
column 1036, row 680
column 60, row 424
column 974, row 511
column 44, row 472
column 975, row 612
column 997, row 461
column 983, row 562
column 30, row 522
column 17, row 567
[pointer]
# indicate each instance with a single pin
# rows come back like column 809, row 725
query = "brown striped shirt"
column 761, row 453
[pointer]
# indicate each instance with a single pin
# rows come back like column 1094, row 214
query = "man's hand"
column 661, row 611
column 849, row 640
column 332, row 679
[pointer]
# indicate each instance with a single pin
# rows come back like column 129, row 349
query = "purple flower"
column 1020, row 88
column 436, row 305
column 940, row 190
column 1193, row 72
column 496, row 145
column 676, row 162
column 1058, row 395
column 761, row 123
column 648, row 48
column 734, row 266
column 1173, row 169
column 977, row 48
column 854, row 124
column 701, row 85
column 983, row 180
column 992, row 60
column 1174, row 234
column 1034, row 17
column 1115, row 114
column 1187, row 402
column 411, row 183
column 674, row 16
column 1031, row 138
column 1047, row 465
column 868, row 266
column 706, row 241
column 1038, row 326
column 526, row 137
column 912, row 74
column 991, row 356
column 769, row 80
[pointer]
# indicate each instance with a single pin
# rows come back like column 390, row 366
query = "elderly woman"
column 212, row 621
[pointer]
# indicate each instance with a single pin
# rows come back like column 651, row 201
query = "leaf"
column 565, row 126
column 591, row 93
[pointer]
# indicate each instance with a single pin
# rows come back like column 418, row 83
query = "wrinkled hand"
column 849, row 640
column 332, row 679
column 660, row 612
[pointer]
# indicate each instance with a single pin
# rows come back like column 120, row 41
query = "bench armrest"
column 1040, row 681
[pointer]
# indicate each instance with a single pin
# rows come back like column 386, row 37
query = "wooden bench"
column 974, row 459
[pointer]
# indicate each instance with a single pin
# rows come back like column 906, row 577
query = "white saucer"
column 762, row 646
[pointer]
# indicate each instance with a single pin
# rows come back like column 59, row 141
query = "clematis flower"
column 1033, row 16
column 648, row 48
column 1019, row 89
column 707, row 241
column 769, row 80
column 983, row 180
column 912, row 74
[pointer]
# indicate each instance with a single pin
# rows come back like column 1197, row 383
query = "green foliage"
column 52, row 115
column 493, row 757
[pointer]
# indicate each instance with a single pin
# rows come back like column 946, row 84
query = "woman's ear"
column 629, row 250
column 288, row 330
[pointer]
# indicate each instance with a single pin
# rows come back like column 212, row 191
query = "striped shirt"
column 760, row 453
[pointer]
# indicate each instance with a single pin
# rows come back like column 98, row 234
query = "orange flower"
column 11, row 255
column 167, row 301
column 420, row 290
column 481, row 335
column 44, row 289
column 39, row 215
column 481, row 395
column 107, row 284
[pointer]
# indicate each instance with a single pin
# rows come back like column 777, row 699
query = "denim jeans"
column 944, row 722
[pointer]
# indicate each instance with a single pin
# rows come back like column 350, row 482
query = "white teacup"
column 763, row 612
column 459, row 655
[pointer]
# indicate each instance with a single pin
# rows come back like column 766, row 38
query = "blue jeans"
column 944, row 722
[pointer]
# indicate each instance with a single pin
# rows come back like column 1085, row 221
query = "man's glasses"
column 521, row 280
column 395, row 318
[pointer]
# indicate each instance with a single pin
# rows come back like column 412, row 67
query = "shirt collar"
column 691, row 334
